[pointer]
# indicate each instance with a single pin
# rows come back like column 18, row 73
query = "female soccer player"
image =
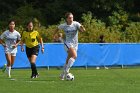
column 70, row 28
column 10, row 40
column 31, row 37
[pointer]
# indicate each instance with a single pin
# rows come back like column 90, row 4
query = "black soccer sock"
column 34, row 70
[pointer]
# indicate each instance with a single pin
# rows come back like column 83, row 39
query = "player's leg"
column 72, row 56
column 62, row 75
column 33, row 66
column 34, row 54
column 8, row 68
column 13, row 59
column 29, row 58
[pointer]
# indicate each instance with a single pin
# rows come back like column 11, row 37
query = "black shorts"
column 32, row 51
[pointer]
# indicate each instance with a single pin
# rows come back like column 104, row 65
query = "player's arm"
column 39, row 38
column 2, row 39
column 42, row 44
column 21, row 45
column 19, row 40
column 2, row 42
column 17, row 43
column 22, row 42
column 82, row 29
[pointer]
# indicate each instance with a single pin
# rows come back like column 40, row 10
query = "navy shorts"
column 32, row 51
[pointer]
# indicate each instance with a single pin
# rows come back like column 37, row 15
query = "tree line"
column 118, row 20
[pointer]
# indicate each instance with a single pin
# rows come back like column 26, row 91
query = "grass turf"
column 86, row 81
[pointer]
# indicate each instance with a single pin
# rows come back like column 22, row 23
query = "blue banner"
column 89, row 54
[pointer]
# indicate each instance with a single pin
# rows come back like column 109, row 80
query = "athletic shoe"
column 32, row 76
column 4, row 68
column 35, row 75
column 62, row 76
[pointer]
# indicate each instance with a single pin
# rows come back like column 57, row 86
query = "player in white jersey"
column 10, row 40
column 70, row 29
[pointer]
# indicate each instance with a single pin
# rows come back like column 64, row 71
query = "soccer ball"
column 70, row 77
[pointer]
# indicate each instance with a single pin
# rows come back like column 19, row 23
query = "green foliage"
column 25, row 14
column 47, row 34
column 95, row 28
column 133, row 32
column 118, row 21
column 118, row 18
column 91, row 34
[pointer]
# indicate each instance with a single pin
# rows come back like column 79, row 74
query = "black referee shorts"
column 32, row 51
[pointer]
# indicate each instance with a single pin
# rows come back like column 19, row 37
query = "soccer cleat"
column 32, row 76
column 62, row 76
column 4, row 68
column 35, row 75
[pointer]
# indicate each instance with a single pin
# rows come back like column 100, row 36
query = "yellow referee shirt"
column 30, row 38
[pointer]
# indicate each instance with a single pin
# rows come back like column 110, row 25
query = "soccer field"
column 86, row 81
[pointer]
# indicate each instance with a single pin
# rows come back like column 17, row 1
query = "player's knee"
column 74, row 56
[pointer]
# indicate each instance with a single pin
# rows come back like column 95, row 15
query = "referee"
column 32, row 38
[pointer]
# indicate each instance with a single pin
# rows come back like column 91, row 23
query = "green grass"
column 86, row 81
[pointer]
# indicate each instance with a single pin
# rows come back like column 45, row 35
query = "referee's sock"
column 34, row 70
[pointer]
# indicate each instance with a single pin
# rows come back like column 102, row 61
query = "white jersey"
column 10, row 39
column 71, row 32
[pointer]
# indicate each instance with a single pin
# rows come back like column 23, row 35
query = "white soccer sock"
column 64, row 69
column 9, row 71
column 69, row 65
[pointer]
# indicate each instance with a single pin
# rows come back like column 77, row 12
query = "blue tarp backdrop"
column 89, row 54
